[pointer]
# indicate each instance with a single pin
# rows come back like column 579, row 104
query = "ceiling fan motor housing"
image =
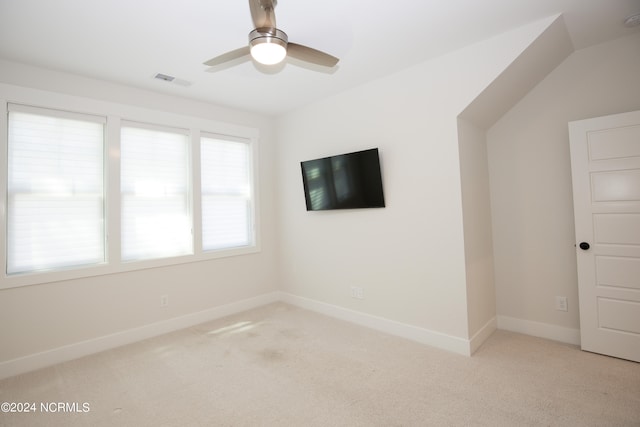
column 268, row 35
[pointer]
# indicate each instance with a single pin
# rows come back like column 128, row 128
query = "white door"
column 605, row 163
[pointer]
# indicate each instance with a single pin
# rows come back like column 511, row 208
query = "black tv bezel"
column 378, row 185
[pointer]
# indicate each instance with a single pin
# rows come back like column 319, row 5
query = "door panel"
column 619, row 186
column 619, row 315
column 605, row 167
column 617, row 229
column 618, row 272
column 614, row 143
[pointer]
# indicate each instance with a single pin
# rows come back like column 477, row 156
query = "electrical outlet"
column 357, row 292
column 164, row 300
column 561, row 304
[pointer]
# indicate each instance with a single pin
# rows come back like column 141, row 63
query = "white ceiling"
column 129, row 41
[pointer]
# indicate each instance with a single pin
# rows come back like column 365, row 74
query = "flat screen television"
column 345, row 181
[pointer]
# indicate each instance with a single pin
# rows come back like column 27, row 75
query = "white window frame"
column 99, row 120
column 189, row 191
column 117, row 113
column 252, row 193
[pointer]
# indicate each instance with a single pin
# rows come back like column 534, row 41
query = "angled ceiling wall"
column 543, row 55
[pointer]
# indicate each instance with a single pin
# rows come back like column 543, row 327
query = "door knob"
column 584, row 246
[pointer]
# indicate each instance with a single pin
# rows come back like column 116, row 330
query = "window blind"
column 55, row 196
column 155, row 190
column 227, row 207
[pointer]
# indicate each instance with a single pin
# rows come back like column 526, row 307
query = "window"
column 155, row 188
column 227, row 208
column 86, row 194
column 55, row 196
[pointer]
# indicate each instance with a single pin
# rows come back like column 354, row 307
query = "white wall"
column 42, row 318
column 476, row 209
column 409, row 257
column 530, row 178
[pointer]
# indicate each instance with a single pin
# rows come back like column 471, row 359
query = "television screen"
column 345, row 181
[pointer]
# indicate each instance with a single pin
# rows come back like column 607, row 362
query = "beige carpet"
column 283, row 366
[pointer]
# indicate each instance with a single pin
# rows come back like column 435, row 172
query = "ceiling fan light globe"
column 268, row 46
column 268, row 53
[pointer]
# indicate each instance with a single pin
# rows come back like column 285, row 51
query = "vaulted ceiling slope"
column 130, row 42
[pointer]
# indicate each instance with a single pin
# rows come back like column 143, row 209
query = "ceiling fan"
column 268, row 45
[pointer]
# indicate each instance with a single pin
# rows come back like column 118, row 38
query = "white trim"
column 481, row 336
column 414, row 333
column 95, row 345
column 176, row 130
column 465, row 347
column 539, row 329
column 53, row 112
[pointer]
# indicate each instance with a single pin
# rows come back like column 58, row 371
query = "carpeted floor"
column 283, row 366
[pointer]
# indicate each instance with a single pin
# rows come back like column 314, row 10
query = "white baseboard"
column 451, row 343
column 414, row 333
column 481, row 336
column 85, row 348
column 538, row 329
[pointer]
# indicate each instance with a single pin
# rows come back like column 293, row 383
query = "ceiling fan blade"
column 263, row 13
column 229, row 56
column 311, row 55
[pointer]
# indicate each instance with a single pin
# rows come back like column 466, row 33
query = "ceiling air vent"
column 164, row 77
column 170, row 79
